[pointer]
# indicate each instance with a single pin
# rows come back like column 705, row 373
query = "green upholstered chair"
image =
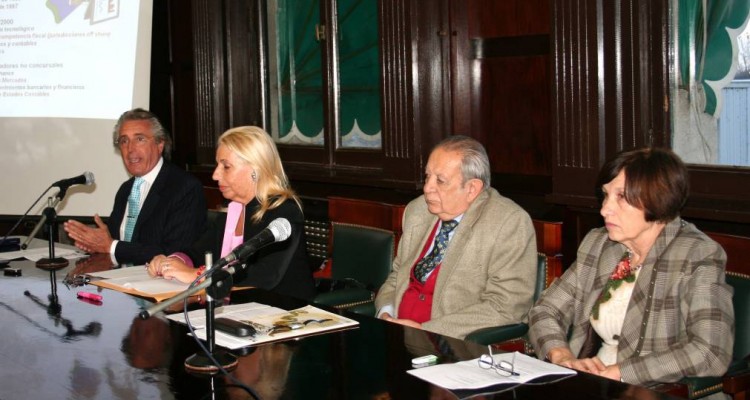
column 513, row 333
column 736, row 381
column 361, row 259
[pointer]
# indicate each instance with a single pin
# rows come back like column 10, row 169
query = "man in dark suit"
column 165, row 211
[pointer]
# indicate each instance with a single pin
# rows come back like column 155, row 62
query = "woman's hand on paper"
column 563, row 356
column 154, row 266
column 171, row 268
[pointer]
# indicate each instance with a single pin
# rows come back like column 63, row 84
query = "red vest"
column 416, row 304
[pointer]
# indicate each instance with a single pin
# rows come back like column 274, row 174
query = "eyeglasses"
column 139, row 140
column 503, row 368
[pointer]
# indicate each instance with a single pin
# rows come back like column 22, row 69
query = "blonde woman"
column 249, row 174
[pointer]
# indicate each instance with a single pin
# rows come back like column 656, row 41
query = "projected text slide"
column 67, row 58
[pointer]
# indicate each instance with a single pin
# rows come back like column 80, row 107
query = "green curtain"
column 359, row 71
column 300, row 75
column 707, row 49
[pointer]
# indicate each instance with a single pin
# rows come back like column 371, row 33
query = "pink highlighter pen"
column 90, row 296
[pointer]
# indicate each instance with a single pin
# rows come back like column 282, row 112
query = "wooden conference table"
column 67, row 348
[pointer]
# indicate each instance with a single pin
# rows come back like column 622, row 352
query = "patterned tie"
column 431, row 260
column 134, row 207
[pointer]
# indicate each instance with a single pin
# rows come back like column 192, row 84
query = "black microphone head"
column 281, row 229
column 89, row 177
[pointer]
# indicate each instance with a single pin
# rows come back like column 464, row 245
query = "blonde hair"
column 254, row 146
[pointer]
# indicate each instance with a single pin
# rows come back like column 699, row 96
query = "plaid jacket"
column 680, row 320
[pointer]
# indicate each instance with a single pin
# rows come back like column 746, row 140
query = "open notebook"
column 271, row 323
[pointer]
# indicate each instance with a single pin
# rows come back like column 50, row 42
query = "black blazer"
column 171, row 218
column 280, row 267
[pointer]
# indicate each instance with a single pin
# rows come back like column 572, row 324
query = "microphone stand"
column 49, row 218
column 215, row 359
column 50, row 203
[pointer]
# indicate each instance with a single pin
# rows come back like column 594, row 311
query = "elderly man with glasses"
column 467, row 256
column 161, row 209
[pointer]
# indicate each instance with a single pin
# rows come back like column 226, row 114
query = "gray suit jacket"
column 680, row 319
column 488, row 271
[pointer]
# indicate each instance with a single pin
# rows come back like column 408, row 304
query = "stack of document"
column 271, row 323
column 136, row 281
column 467, row 376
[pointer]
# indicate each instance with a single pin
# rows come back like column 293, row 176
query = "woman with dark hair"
column 646, row 300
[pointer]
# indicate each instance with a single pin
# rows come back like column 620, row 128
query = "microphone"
column 277, row 231
column 87, row 178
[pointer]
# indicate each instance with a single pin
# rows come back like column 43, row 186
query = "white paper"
column 469, row 375
column 38, row 253
column 137, row 278
column 267, row 316
column 235, row 311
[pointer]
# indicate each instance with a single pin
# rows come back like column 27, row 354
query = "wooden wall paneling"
column 492, row 18
column 210, row 79
column 510, row 47
column 370, row 213
column 429, row 72
column 172, row 95
column 515, row 114
column 609, row 92
column 609, row 87
column 396, row 61
column 329, row 47
column 633, row 60
column 577, row 112
column 242, row 60
column 463, row 85
column 160, row 93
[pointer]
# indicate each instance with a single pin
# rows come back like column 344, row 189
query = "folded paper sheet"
column 469, row 375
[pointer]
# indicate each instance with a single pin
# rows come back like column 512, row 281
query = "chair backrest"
column 362, row 253
column 741, row 302
column 738, row 275
column 542, row 280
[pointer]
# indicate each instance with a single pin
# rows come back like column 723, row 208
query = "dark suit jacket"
column 280, row 267
column 171, row 218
